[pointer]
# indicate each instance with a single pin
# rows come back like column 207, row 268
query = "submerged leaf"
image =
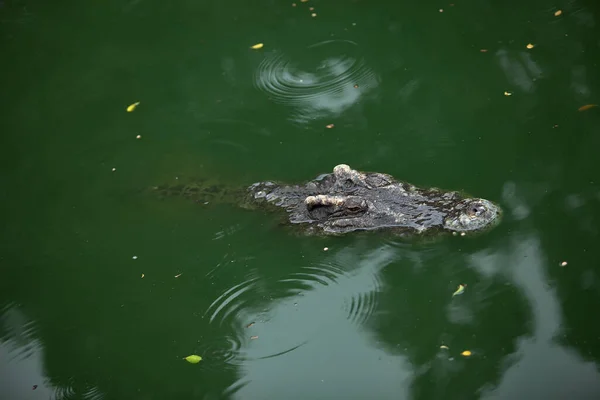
column 587, row 107
column 133, row 106
column 193, row 359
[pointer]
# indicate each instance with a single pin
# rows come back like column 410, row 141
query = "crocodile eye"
column 475, row 210
column 348, row 183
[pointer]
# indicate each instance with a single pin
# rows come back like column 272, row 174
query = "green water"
column 274, row 315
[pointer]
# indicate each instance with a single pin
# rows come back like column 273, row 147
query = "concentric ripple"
column 261, row 319
column 335, row 84
column 323, row 274
column 229, row 302
column 220, row 353
column 362, row 305
column 357, row 292
column 228, row 312
column 86, row 393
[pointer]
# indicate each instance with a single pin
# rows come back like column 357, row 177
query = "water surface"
column 105, row 288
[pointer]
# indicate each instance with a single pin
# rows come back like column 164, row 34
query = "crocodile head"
column 472, row 215
column 348, row 200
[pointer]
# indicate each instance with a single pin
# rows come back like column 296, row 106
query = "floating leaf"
column 466, row 353
column 133, row 106
column 257, row 46
column 507, row 93
column 253, row 337
column 444, row 347
column 587, row 107
column 530, row 46
column 557, row 13
column 329, row 126
column 193, row 359
column 460, row 290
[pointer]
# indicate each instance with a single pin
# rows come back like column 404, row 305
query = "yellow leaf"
column 466, row 353
column 460, row 290
column 193, row 359
column 530, row 46
column 133, row 106
column 257, row 46
column 587, row 107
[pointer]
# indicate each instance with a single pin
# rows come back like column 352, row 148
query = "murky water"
column 106, row 287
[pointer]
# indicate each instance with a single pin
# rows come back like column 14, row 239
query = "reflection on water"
column 22, row 370
column 293, row 310
column 323, row 309
column 327, row 89
column 524, row 265
column 521, row 70
column 540, row 352
column 361, row 294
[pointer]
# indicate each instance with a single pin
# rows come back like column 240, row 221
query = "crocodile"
column 348, row 200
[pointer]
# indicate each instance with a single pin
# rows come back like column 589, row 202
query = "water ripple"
column 358, row 291
column 64, row 392
column 330, row 87
column 362, row 305
column 283, row 315
column 323, row 274
column 93, row 393
column 229, row 302
column 220, row 353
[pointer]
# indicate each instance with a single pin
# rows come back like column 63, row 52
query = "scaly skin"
column 348, row 200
